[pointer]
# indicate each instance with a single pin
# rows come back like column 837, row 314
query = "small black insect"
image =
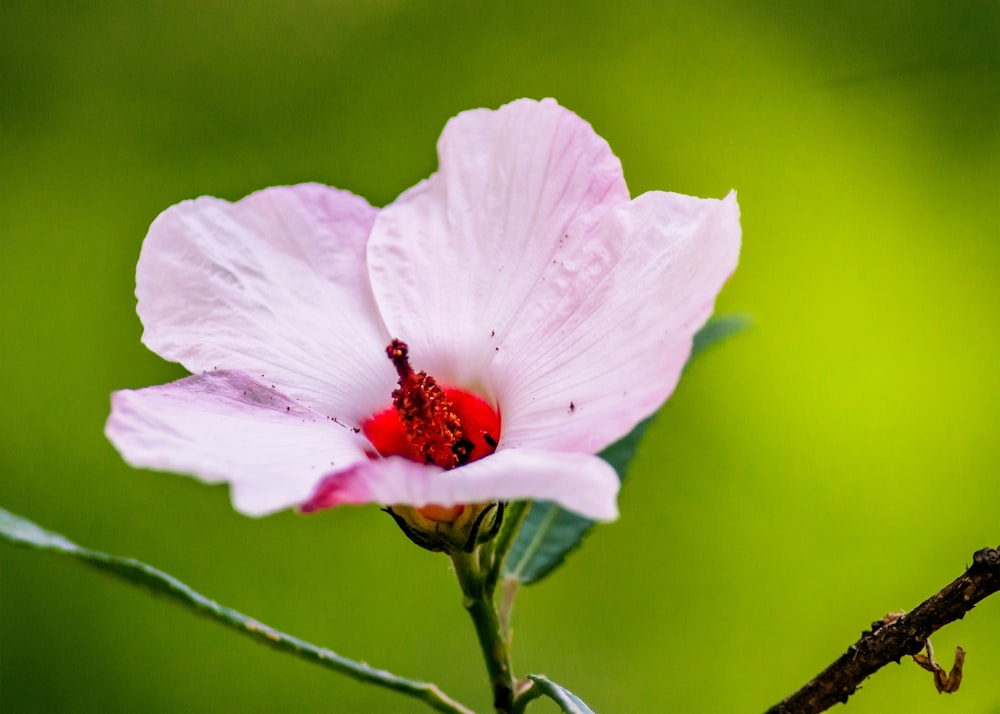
column 463, row 450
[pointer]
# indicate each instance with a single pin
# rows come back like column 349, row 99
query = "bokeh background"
column 838, row 462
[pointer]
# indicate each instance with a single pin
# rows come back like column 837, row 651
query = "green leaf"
column 567, row 701
column 716, row 331
column 549, row 532
column 24, row 533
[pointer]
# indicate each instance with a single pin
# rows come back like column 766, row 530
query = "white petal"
column 225, row 426
column 581, row 483
column 455, row 259
column 273, row 285
column 608, row 328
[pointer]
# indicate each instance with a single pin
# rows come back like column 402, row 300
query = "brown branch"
column 895, row 637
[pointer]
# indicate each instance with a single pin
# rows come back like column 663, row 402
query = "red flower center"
column 432, row 424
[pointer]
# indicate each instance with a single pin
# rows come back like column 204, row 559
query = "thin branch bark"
column 896, row 637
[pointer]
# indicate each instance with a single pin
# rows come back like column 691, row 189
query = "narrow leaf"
column 549, row 532
column 567, row 701
column 24, row 533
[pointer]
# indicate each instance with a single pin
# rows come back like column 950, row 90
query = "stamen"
column 432, row 427
column 446, row 426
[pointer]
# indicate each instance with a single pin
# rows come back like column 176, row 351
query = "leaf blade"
column 716, row 331
column 568, row 702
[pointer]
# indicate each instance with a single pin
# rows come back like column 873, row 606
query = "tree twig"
column 895, row 637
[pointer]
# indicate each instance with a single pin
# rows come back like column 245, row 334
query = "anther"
column 433, row 429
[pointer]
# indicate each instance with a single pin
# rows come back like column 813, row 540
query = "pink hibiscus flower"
column 544, row 312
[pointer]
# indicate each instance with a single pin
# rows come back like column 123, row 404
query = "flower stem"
column 492, row 640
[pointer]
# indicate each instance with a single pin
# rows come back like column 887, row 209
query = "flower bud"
column 449, row 529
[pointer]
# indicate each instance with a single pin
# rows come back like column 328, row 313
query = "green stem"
column 492, row 640
column 22, row 532
column 528, row 691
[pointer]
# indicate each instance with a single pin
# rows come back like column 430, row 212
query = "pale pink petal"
column 581, row 483
column 609, row 326
column 273, row 285
column 520, row 270
column 226, row 426
column 455, row 260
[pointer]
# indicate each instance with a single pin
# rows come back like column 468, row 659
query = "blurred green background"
column 836, row 463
